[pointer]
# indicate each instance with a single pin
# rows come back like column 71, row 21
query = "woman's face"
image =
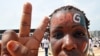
column 68, row 34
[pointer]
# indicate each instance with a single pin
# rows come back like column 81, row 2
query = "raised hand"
column 22, row 44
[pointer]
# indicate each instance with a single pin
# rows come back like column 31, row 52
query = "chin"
column 69, row 53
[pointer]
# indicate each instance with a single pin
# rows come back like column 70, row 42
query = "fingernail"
column 13, row 45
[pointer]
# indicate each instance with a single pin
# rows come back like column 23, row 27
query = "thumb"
column 17, row 49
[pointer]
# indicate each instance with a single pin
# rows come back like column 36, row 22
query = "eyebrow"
column 60, row 27
column 57, row 28
column 75, row 25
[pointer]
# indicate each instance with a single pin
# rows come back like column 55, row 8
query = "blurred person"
column 90, row 51
column 45, row 43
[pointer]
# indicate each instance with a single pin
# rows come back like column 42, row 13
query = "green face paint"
column 77, row 18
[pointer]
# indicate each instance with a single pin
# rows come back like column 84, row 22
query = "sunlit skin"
column 67, row 36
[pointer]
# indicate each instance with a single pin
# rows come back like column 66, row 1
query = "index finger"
column 26, row 20
column 39, row 32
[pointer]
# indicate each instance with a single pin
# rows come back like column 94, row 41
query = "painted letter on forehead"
column 77, row 18
column 68, row 17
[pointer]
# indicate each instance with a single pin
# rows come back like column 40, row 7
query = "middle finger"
column 26, row 20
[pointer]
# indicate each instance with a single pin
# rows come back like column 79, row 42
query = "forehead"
column 68, row 17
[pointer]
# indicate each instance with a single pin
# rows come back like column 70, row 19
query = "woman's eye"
column 58, row 35
column 78, row 34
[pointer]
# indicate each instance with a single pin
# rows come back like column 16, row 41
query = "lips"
column 70, row 53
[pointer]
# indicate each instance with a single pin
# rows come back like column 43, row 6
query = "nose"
column 68, row 43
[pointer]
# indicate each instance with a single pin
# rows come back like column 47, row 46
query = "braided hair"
column 69, row 7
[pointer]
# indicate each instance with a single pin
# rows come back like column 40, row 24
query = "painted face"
column 68, row 34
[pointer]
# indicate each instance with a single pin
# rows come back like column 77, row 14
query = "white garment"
column 46, row 43
column 90, row 43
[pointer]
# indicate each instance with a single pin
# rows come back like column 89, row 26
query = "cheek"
column 84, row 46
column 56, row 45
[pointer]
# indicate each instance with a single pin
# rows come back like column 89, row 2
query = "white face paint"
column 85, row 48
column 77, row 18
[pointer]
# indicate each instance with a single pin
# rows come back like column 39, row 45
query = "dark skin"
column 68, row 38
column 22, row 44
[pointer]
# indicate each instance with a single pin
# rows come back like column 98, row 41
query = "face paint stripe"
column 77, row 18
column 84, row 47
